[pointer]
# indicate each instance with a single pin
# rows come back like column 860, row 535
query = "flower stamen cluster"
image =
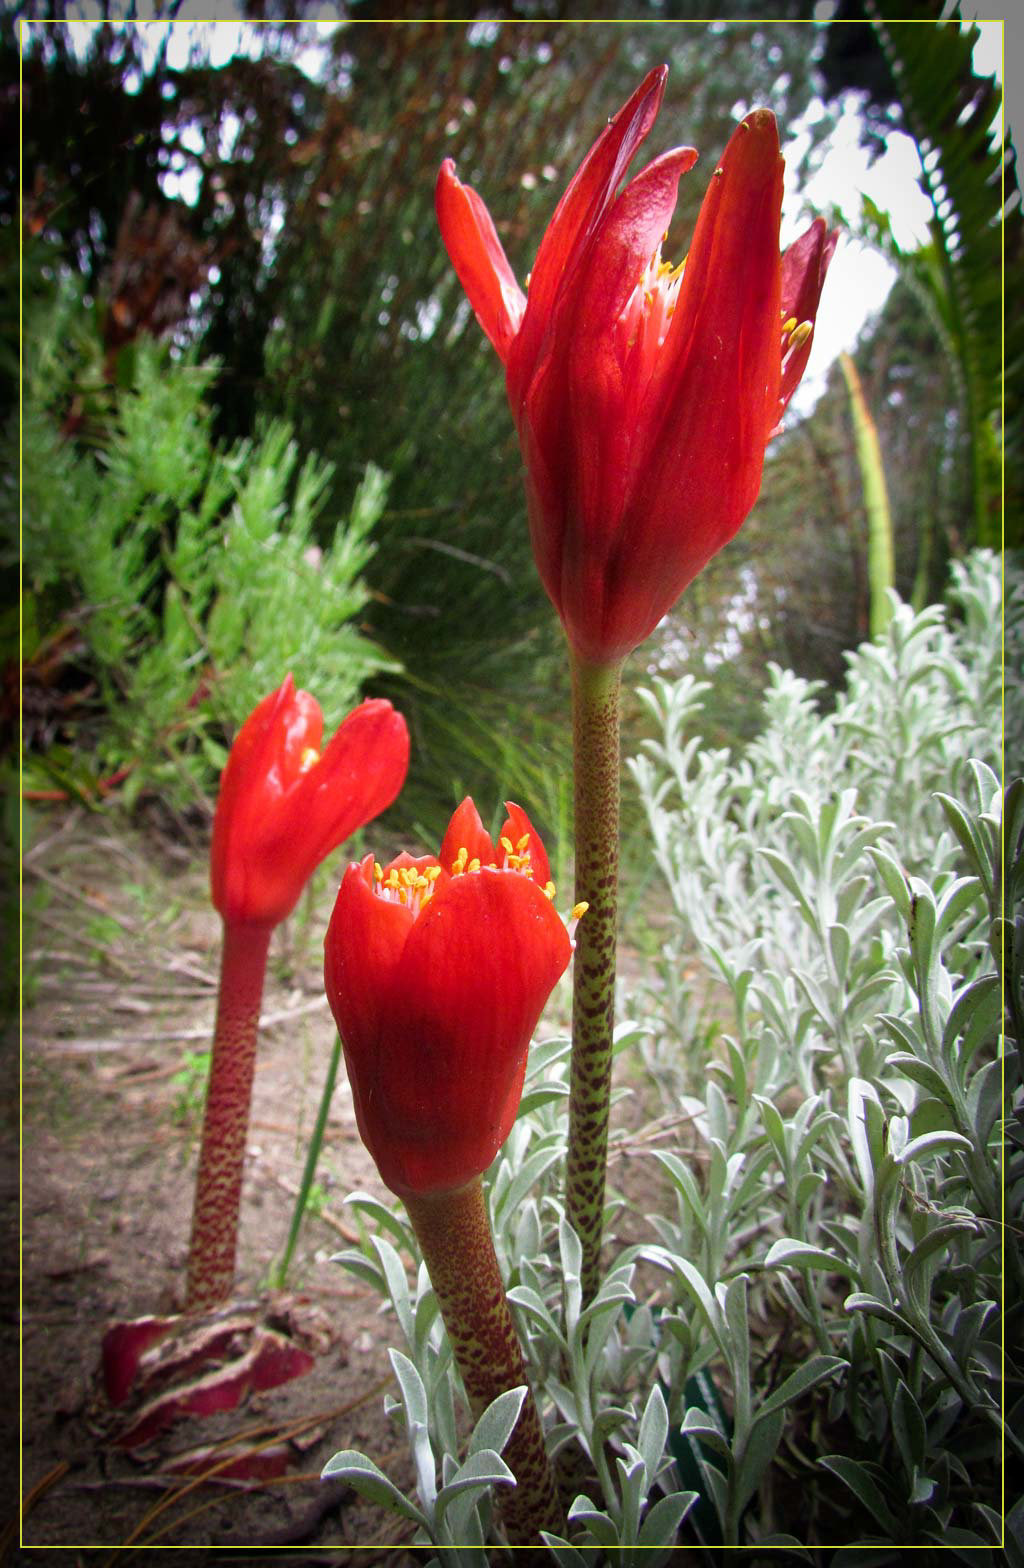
column 405, row 884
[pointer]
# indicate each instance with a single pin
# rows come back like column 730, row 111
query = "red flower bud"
column 643, row 394
column 283, row 807
column 437, row 970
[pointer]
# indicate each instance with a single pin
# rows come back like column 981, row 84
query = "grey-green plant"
column 816, row 1307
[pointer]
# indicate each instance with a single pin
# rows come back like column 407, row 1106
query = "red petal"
column 269, row 1361
column 518, row 824
column 476, row 971
column 466, row 831
column 588, row 195
column 122, row 1350
column 236, row 1461
column 804, row 266
column 364, row 943
column 300, row 730
column 275, row 823
column 249, row 763
column 711, row 402
column 602, row 413
column 360, row 773
column 476, row 253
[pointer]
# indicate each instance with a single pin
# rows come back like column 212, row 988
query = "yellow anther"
column 787, row 326
column 523, row 842
column 459, row 864
column 801, row 334
column 578, row 911
column 474, row 864
column 378, row 871
column 506, row 844
column 309, row 757
column 432, row 873
column 549, row 890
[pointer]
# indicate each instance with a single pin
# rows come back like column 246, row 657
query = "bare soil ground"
column 120, row 976
column 121, row 957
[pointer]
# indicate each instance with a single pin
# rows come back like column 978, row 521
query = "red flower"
column 437, row 971
column 283, row 807
column 643, row 395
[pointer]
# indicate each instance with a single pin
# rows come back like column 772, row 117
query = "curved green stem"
column 279, row 1272
column 596, row 769
column 211, row 1258
column 454, row 1234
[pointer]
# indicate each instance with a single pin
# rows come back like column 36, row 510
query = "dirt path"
column 120, row 986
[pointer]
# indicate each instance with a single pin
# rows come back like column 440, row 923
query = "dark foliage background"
column 306, row 260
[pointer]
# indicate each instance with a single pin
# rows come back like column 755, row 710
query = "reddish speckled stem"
column 596, row 775
column 454, row 1234
column 211, row 1258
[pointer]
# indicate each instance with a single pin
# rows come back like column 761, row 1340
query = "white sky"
column 859, row 278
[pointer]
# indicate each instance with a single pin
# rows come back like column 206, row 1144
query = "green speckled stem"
column 211, row 1258
column 596, row 761
column 454, row 1234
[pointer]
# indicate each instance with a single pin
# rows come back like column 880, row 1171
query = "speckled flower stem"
column 454, row 1233
column 595, row 689
column 211, row 1258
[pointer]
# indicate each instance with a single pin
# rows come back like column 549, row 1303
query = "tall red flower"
column 643, row 394
column 437, row 970
column 283, row 806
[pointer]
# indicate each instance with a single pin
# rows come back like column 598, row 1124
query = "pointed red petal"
column 360, row 773
column 586, row 199
column 364, row 943
column 479, row 259
column 475, row 974
column 804, row 266
column 301, row 730
column 517, row 825
column 602, row 419
column 712, row 400
column 242, row 800
column 466, row 831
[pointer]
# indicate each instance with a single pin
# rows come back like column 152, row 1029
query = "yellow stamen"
column 549, row 890
column 578, row 911
column 520, row 847
column 800, row 336
column 309, row 758
column 787, row 326
column 474, row 864
column 378, row 871
column 506, row 844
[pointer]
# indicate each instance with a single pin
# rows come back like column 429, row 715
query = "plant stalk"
column 211, row 1258
column 454, row 1233
column 596, row 773
column 279, row 1273
column 881, row 569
